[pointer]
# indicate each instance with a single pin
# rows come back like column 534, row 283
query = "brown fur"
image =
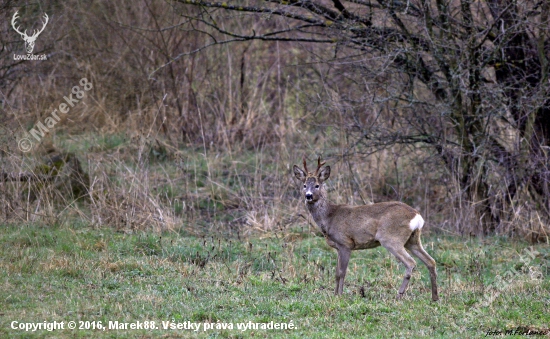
column 348, row 228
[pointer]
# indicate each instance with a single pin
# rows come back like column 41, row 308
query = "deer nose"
column 309, row 196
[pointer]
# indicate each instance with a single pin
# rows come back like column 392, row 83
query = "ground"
column 119, row 285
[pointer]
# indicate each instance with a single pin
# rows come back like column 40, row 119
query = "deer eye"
column 317, row 186
column 304, row 185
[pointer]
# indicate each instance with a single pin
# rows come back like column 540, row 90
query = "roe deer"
column 394, row 225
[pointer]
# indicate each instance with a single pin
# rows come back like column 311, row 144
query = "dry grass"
column 143, row 183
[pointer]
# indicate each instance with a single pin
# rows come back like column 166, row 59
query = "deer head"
column 313, row 182
column 29, row 40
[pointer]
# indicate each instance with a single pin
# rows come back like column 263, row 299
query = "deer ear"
column 325, row 173
column 298, row 173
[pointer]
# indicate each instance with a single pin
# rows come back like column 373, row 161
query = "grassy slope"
column 88, row 274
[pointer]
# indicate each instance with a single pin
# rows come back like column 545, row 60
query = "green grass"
column 99, row 275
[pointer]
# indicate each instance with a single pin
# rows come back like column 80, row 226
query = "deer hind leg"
column 343, row 259
column 403, row 256
column 415, row 246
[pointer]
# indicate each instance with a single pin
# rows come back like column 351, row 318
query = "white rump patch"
column 416, row 223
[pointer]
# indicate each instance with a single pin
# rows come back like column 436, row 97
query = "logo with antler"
column 29, row 40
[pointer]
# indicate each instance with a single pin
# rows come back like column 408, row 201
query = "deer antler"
column 318, row 165
column 37, row 32
column 305, row 166
column 13, row 20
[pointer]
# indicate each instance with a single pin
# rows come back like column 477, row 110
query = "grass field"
column 96, row 277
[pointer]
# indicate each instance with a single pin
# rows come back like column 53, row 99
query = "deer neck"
column 320, row 210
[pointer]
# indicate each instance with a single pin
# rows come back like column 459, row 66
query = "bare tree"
column 467, row 78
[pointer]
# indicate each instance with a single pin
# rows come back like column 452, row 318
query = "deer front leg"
column 343, row 259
